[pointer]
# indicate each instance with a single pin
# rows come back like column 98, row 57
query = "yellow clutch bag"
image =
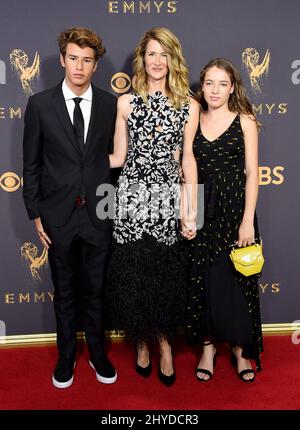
column 248, row 260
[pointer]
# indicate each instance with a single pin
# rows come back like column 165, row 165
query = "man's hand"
column 45, row 240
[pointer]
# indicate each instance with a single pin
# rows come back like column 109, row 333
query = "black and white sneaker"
column 104, row 370
column 63, row 374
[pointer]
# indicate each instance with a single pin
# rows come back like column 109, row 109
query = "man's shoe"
column 63, row 374
column 104, row 370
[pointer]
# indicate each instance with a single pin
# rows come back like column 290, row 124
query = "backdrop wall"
column 260, row 38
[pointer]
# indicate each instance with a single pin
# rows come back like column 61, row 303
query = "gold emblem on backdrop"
column 26, row 73
column 120, row 82
column 256, row 70
column 35, row 262
column 10, row 182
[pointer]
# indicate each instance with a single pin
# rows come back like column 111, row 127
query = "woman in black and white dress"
column 155, row 128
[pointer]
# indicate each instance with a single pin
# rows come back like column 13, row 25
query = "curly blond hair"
column 177, row 85
column 82, row 37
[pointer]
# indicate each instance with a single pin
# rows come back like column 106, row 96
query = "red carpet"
column 25, row 382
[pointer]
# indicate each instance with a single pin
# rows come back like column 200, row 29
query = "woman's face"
column 217, row 87
column 156, row 61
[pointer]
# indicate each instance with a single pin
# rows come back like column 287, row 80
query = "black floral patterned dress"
column 147, row 273
column 223, row 305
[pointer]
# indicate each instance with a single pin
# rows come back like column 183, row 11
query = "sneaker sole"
column 103, row 379
column 66, row 384
column 62, row 384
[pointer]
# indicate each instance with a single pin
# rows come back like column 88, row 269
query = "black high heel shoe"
column 165, row 379
column 144, row 371
column 242, row 373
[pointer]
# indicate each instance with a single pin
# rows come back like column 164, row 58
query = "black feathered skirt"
column 146, row 288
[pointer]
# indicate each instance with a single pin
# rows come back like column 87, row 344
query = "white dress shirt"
column 85, row 104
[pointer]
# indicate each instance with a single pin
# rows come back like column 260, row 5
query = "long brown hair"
column 238, row 101
column 177, row 85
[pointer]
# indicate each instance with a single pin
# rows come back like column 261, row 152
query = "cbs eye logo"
column 10, row 182
column 120, row 82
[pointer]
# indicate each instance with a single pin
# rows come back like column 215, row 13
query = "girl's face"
column 156, row 61
column 217, row 87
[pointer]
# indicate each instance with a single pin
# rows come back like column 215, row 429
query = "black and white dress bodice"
column 147, row 194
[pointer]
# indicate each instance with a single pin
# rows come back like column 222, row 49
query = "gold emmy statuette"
column 250, row 58
column 29, row 252
column 19, row 61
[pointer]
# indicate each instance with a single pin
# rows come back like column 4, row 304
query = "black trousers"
column 78, row 250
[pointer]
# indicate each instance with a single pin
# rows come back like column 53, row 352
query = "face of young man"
column 156, row 61
column 217, row 87
column 79, row 64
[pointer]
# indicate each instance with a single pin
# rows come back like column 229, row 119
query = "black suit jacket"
column 54, row 166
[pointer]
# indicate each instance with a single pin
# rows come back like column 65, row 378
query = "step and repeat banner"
column 260, row 38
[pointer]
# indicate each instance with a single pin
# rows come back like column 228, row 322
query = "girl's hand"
column 246, row 234
column 188, row 227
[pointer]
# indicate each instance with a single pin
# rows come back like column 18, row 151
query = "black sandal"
column 206, row 371
column 244, row 372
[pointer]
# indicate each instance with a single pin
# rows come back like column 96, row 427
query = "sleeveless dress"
column 147, row 271
column 223, row 305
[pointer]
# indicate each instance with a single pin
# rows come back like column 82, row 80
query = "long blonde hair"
column 177, row 85
column 238, row 101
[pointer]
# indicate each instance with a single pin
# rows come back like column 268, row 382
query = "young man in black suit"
column 67, row 135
